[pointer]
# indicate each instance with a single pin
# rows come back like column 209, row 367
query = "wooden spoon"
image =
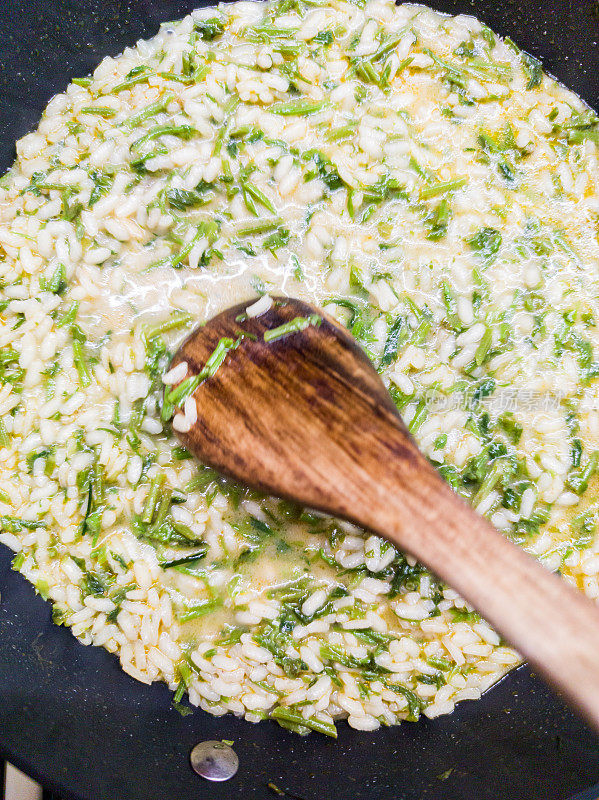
column 305, row 416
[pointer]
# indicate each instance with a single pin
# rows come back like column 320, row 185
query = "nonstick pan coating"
column 70, row 717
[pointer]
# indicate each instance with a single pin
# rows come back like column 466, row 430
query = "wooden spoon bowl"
column 296, row 409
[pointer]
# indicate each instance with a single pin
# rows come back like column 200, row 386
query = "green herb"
column 69, row 317
column 367, row 665
column 92, row 480
column 57, row 284
column 578, row 481
column 42, row 588
column 163, row 529
column 451, row 307
column 462, row 615
column 286, row 715
column 442, row 188
column 79, row 359
column 4, row 437
column 186, row 80
column 437, row 680
column 140, row 74
column 477, row 68
column 386, row 188
column 184, row 711
column 15, row 524
column 152, row 498
column 149, row 111
column 500, row 149
column 396, row 336
column 437, row 221
column 276, row 642
column 576, row 452
column 420, row 415
column 230, row 635
column 185, row 132
column 533, row 69
column 260, row 226
column 96, row 583
column 138, row 165
column 102, row 183
column 526, row 528
column 179, row 453
column 178, row 319
column 10, row 371
column 200, row 609
column 178, row 696
column 415, row 705
column 276, row 240
column 100, row 111
column 182, row 199
column 224, row 346
column 438, row 662
column 178, row 395
column 510, row 426
column 584, row 527
column 482, row 351
column 325, row 38
column 119, row 559
column 344, row 132
column 298, row 108
column 275, row 790
column 405, row 576
column 486, row 243
column 209, row 29
column 293, row 326
column 205, row 230
column 497, row 471
column 47, row 454
column 579, row 127
column 191, row 559
column 465, row 50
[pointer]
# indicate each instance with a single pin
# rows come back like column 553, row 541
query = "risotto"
column 425, row 183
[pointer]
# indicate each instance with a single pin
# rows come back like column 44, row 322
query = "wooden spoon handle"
column 549, row 622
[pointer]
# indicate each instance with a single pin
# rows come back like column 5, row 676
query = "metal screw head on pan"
column 214, row 761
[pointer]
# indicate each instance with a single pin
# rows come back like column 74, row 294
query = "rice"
column 450, row 224
column 261, row 306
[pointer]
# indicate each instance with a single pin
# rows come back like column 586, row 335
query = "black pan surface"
column 72, row 719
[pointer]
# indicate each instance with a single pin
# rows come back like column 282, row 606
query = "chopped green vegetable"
column 209, row 29
column 185, row 132
column 15, row 524
column 149, row 111
column 578, row 481
column 179, row 319
column 287, row 715
column 152, row 498
column 293, row 326
column 99, row 111
column 533, row 69
column 396, row 336
column 137, row 75
column 486, row 243
column 200, row 610
column 442, row 188
column 192, row 558
column 260, row 226
column 299, row 108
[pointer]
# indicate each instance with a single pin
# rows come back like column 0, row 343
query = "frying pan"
column 74, row 721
